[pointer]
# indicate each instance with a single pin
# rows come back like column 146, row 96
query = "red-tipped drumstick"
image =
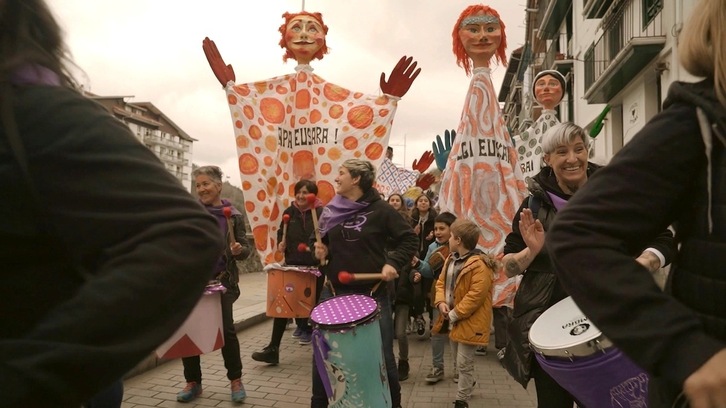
column 347, row 277
column 228, row 215
column 311, row 198
column 285, row 221
column 301, row 247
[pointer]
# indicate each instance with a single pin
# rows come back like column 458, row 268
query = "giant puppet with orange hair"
column 482, row 180
column 299, row 126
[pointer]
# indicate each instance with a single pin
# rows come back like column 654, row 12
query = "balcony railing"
column 558, row 53
column 624, row 49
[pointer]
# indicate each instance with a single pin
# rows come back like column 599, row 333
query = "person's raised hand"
column 424, row 162
column 443, row 148
column 224, row 73
column 532, row 231
column 401, row 78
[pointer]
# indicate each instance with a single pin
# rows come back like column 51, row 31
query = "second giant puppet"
column 299, row 126
column 482, row 180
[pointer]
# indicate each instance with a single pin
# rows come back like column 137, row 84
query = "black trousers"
column 549, row 393
column 230, row 350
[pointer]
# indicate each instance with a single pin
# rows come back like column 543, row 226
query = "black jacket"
column 299, row 230
column 658, row 178
column 361, row 243
column 114, row 241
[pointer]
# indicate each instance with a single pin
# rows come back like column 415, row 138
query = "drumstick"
column 301, row 247
column 228, row 215
column 285, row 221
column 311, row 201
column 347, row 277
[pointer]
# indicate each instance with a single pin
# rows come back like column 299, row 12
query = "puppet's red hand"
column 224, row 73
column 425, row 181
column 424, row 162
column 402, row 76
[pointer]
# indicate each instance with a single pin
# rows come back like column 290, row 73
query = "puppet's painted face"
column 304, row 37
column 481, row 35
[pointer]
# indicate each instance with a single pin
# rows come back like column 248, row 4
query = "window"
column 651, row 8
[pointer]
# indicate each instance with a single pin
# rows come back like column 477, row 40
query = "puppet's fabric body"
column 295, row 127
column 529, row 143
column 392, row 179
column 483, row 181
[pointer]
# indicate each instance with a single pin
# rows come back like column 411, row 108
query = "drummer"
column 299, row 229
column 566, row 152
column 357, row 228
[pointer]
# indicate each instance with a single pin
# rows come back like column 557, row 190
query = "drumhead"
column 344, row 311
column 564, row 331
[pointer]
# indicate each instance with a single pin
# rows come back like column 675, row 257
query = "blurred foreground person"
column 104, row 252
column 672, row 172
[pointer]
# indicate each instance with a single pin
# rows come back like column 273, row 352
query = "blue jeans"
column 319, row 398
column 438, row 345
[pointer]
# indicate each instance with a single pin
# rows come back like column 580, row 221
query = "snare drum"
column 203, row 330
column 290, row 290
column 583, row 361
column 349, row 352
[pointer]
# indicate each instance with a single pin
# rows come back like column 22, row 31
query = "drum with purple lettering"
column 349, row 352
column 575, row 353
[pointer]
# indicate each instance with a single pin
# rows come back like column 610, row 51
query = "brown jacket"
column 472, row 299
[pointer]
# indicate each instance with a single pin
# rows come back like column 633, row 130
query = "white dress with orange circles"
column 295, row 127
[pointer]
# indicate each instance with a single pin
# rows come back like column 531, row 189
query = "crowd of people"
column 113, row 226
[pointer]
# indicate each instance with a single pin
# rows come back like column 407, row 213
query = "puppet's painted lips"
column 304, row 42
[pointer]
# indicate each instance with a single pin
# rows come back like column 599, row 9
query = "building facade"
column 619, row 58
column 156, row 131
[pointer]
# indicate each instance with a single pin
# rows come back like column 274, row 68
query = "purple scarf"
column 338, row 210
column 34, row 74
column 557, row 201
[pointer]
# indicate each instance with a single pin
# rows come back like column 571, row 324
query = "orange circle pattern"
column 295, row 127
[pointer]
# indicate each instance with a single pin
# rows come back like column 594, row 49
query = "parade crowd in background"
column 511, row 230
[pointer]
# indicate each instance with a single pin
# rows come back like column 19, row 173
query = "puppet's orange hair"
column 462, row 59
column 283, row 28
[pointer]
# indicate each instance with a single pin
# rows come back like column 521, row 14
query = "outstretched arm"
column 224, row 73
column 401, row 78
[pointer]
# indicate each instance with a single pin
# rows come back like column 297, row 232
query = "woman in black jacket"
column 208, row 183
column 299, row 230
column 566, row 149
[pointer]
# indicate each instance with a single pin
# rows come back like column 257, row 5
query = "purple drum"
column 349, row 352
column 584, row 362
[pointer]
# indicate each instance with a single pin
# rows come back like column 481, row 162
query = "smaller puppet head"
column 478, row 36
column 548, row 88
column 303, row 36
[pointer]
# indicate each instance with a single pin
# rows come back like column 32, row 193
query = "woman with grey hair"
column 361, row 233
column 566, row 149
column 208, row 184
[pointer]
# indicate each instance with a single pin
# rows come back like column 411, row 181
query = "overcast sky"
column 152, row 50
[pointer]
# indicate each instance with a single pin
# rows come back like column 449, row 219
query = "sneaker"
column 238, row 391
column 403, row 370
column 436, row 375
column 461, row 404
column 269, row 355
column 420, row 326
column 190, row 392
column 481, row 351
column 305, row 338
column 297, row 333
column 500, row 354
